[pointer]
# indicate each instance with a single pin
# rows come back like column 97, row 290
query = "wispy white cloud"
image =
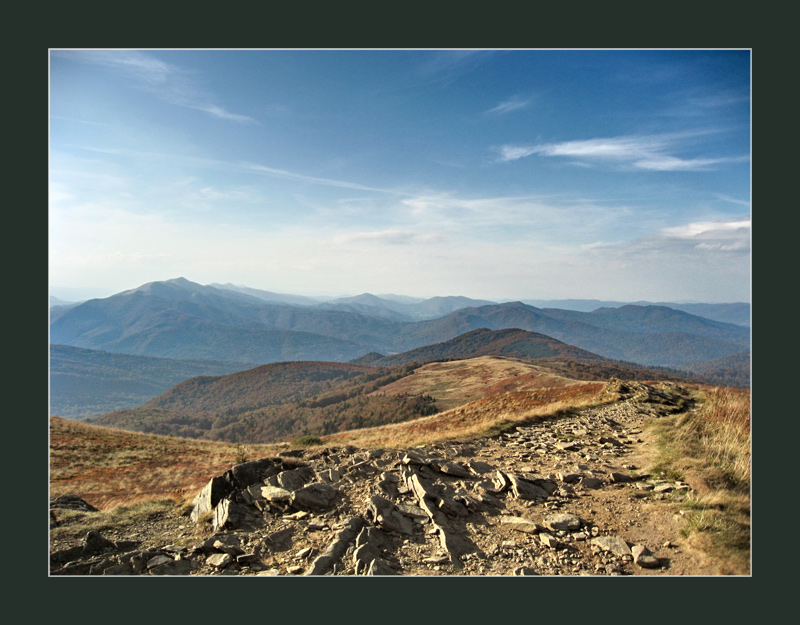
column 391, row 237
column 733, row 200
column 169, row 82
column 445, row 66
column 512, row 104
column 723, row 236
column 649, row 152
column 330, row 182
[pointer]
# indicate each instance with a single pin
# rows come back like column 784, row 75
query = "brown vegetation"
column 711, row 447
column 110, row 468
column 486, row 415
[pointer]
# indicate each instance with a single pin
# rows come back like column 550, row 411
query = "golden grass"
column 709, row 447
column 487, row 415
column 458, row 382
column 110, row 468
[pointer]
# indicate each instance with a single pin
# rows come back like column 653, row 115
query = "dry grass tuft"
column 710, row 448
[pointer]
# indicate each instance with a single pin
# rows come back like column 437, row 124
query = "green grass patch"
column 306, row 441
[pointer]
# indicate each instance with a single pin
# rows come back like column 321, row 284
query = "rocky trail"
column 561, row 496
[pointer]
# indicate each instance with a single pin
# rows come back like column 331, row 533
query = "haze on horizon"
column 492, row 174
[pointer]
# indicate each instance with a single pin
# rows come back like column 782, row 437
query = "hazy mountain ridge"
column 86, row 382
column 181, row 319
column 737, row 312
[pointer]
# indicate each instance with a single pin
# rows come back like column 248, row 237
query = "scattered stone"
column 229, row 543
column 318, row 524
column 336, row 549
column 387, row 516
column 275, row 494
column 477, row 467
column 315, row 496
column 219, row 560
column 304, row 553
column 520, row 524
column 437, row 559
column 567, row 446
column 562, row 521
column 643, row 557
column 230, row 514
column 454, row 468
column 72, row 502
column 379, row 566
column 613, row 544
column 363, row 557
column 213, row 492
column 591, row 482
column 524, row 570
column 619, row 478
column 524, row 489
column 293, row 479
column 569, row 478
column 94, row 542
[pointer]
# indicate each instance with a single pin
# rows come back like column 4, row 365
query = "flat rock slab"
column 455, row 469
column 315, row 496
column 294, row 478
column 520, row 524
column 275, row 494
column 562, row 521
column 524, row 489
column 613, row 544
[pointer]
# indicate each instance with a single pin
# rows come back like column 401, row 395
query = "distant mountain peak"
column 182, row 281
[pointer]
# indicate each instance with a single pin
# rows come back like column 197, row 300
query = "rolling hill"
column 733, row 370
column 267, row 385
column 275, row 402
column 279, row 401
column 282, row 401
column 737, row 313
column 510, row 342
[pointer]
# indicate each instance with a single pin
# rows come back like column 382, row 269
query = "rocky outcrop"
column 519, row 503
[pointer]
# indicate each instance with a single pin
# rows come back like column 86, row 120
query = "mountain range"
column 119, row 351
column 182, row 319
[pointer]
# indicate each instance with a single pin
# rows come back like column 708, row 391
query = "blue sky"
column 495, row 174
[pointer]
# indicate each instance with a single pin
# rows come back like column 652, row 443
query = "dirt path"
column 484, row 507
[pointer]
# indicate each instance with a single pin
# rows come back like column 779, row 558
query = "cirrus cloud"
column 648, row 152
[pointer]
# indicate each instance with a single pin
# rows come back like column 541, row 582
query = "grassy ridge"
column 276, row 402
